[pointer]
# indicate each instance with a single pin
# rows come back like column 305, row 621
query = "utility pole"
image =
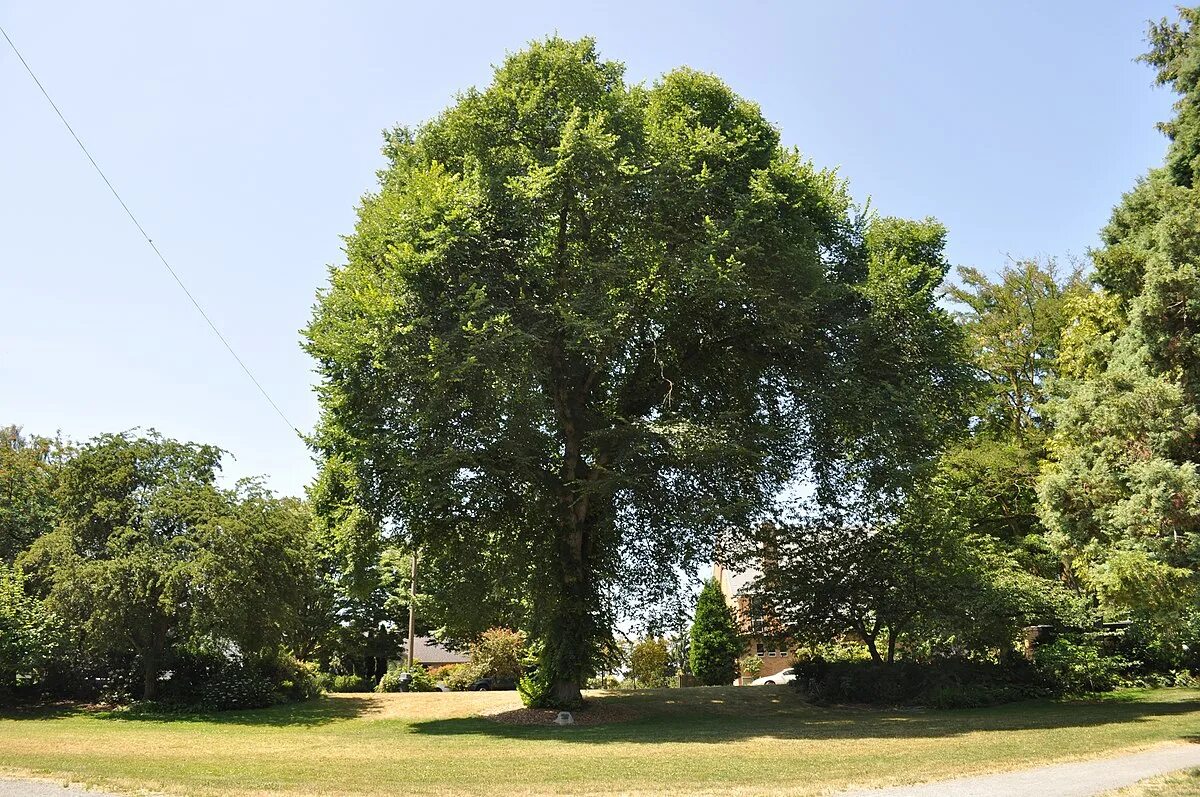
column 412, row 611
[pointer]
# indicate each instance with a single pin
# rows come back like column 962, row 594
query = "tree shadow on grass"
column 311, row 713
column 786, row 716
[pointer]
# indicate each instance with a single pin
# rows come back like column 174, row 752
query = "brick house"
column 762, row 635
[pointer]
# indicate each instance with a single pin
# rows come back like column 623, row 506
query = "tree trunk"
column 149, row 677
column 151, row 654
column 891, row 650
column 873, row 649
column 570, row 635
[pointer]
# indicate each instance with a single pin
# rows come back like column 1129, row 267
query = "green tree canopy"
column 150, row 557
column 648, row 663
column 1121, row 498
column 28, row 470
column 585, row 328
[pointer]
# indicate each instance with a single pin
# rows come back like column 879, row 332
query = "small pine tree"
column 715, row 643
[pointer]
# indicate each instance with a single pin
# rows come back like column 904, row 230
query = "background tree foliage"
column 1121, row 496
column 648, row 663
column 28, row 470
column 151, row 559
column 30, row 635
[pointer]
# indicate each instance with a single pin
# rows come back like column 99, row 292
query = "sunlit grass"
column 688, row 741
column 1182, row 784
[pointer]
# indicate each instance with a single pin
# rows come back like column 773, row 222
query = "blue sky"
column 243, row 134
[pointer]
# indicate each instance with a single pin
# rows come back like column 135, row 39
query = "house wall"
column 771, row 648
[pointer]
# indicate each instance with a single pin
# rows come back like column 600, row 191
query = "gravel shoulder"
column 15, row 787
column 1077, row 779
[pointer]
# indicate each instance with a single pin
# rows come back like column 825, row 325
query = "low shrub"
column 975, row 695
column 534, row 689
column 349, row 683
column 237, row 685
column 293, row 680
column 459, row 677
column 499, row 653
column 420, row 681
column 948, row 683
column 442, row 672
column 1080, row 667
column 750, row 666
column 31, row 637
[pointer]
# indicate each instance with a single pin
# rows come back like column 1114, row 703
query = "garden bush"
column 292, row 680
column 349, row 683
column 459, row 677
column 750, row 666
column 1081, row 667
column 213, row 682
column 30, row 635
column 499, row 653
column 441, row 672
column 237, row 685
column 947, row 683
column 421, row 680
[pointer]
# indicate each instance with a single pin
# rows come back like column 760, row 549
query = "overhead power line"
column 149, row 240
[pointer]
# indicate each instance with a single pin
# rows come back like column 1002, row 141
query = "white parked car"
column 781, row 677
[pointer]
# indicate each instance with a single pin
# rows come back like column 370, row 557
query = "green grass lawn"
column 1184, row 784
column 747, row 741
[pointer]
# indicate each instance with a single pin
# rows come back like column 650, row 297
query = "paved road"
column 35, row 788
column 1080, row 779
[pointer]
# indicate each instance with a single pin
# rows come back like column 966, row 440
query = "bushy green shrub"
column 534, row 689
column 499, row 653
column 420, row 682
column 834, row 651
column 975, row 695
column 948, row 683
column 750, row 666
column 293, row 680
column 1080, row 667
column 459, row 677
column 30, row 635
column 210, row 681
column 237, row 685
column 349, row 683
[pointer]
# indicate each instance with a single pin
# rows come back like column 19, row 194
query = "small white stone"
column 564, row 718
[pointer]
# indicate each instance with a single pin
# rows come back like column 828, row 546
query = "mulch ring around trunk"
column 595, row 714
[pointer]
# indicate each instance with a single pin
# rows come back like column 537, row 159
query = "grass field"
column 1185, row 784
column 685, row 741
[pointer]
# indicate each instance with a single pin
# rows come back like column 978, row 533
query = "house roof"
column 734, row 582
column 426, row 649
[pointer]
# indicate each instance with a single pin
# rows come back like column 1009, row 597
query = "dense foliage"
column 648, row 663
column 587, row 330
column 1069, row 492
column 27, row 478
column 31, row 636
column 590, row 337
column 715, row 640
column 1121, row 494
